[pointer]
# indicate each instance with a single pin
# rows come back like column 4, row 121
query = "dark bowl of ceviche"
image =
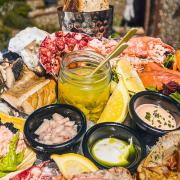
column 154, row 112
column 56, row 128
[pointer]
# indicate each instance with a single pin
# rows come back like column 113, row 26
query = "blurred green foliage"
column 13, row 16
column 17, row 21
column 49, row 28
column 5, row 35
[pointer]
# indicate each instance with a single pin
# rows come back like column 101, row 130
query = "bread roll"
column 85, row 5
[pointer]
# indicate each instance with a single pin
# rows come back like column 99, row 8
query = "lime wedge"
column 132, row 150
column 116, row 108
column 130, row 76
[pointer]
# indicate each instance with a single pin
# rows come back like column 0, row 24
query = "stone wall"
column 169, row 22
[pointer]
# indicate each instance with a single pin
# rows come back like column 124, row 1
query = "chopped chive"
column 159, row 121
column 148, row 116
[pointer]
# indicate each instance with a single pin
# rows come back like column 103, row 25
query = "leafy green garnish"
column 175, row 96
column 132, row 150
column 148, row 116
column 152, row 88
column 10, row 162
column 169, row 61
column 114, row 75
column 115, row 35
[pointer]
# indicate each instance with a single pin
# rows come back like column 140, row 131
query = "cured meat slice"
column 140, row 51
column 59, row 43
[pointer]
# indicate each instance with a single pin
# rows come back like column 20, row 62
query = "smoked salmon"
column 155, row 75
column 177, row 63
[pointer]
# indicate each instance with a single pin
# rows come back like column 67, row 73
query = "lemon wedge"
column 116, row 108
column 72, row 164
column 113, row 86
column 130, row 76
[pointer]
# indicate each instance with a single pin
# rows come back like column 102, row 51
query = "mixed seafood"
column 140, row 51
column 146, row 49
column 6, row 135
column 42, row 171
column 56, row 130
column 28, row 81
column 111, row 174
column 14, row 153
column 163, row 162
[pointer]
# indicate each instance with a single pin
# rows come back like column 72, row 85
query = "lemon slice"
column 116, row 108
column 130, row 76
column 72, row 164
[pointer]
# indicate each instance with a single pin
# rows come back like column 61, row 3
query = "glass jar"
column 78, row 88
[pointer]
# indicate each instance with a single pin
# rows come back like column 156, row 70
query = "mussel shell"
column 17, row 67
column 11, row 56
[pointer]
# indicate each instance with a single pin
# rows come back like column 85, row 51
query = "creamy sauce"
column 156, row 116
column 112, row 151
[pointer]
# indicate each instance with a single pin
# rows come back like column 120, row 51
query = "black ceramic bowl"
column 150, row 97
column 117, row 130
column 37, row 117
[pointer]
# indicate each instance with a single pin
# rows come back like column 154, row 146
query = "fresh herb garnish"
column 159, row 121
column 169, row 125
column 175, row 96
column 114, row 75
column 152, row 88
column 148, row 116
column 157, row 115
column 169, row 61
column 12, row 159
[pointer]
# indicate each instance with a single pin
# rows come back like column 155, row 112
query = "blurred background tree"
column 13, row 17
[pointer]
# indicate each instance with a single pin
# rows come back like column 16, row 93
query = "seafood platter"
column 65, row 114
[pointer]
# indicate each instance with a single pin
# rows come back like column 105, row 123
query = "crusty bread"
column 44, row 96
column 86, row 5
column 30, row 93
